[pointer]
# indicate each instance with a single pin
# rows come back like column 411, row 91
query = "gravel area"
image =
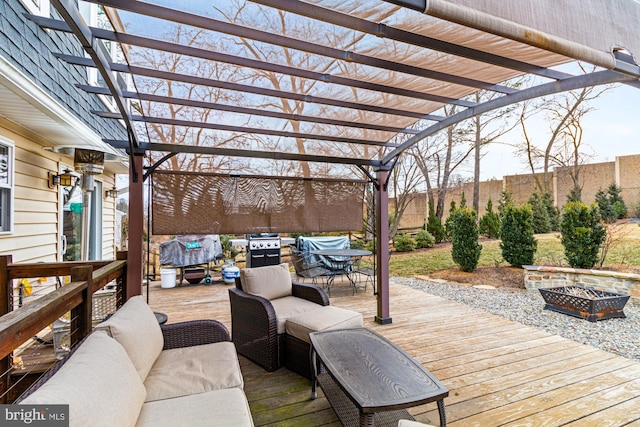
column 618, row 336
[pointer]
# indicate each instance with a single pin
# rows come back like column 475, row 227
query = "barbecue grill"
column 263, row 249
column 189, row 253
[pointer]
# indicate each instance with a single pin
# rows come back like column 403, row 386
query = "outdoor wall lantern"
column 65, row 179
column 113, row 193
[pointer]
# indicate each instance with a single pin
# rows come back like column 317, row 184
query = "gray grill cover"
column 190, row 250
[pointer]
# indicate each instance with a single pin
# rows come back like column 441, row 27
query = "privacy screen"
column 188, row 203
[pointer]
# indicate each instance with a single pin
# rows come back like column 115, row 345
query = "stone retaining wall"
column 540, row 276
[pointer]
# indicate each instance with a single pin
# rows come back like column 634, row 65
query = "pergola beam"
column 234, row 152
column 578, row 82
column 183, row 78
column 204, row 22
column 241, row 110
column 257, row 131
column 96, row 50
column 381, row 30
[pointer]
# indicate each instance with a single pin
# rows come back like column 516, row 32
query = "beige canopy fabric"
column 588, row 30
column 334, row 82
column 325, row 88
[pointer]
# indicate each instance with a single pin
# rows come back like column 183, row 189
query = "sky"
column 611, row 130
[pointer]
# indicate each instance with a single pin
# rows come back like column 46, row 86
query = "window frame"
column 8, row 188
column 38, row 7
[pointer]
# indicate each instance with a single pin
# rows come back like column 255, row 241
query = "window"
column 6, row 185
column 37, row 7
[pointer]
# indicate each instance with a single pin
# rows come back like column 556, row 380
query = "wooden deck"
column 498, row 372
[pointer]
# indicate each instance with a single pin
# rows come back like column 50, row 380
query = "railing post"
column 6, row 296
column 82, row 314
column 122, row 289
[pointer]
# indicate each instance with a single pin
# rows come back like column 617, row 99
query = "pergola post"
column 382, row 246
column 136, row 227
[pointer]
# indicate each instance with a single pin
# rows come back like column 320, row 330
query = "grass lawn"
column 623, row 254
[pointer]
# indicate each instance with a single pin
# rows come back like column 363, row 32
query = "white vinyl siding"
column 36, row 207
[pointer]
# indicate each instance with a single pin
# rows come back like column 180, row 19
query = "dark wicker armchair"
column 254, row 326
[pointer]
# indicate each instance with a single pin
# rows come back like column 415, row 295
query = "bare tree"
column 563, row 113
column 175, row 134
column 485, row 129
column 439, row 156
column 405, row 181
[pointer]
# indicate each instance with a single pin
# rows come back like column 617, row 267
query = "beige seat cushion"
column 98, row 382
column 136, row 328
column 270, row 282
column 321, row 319
column 290, row 306
column 224, row 408
column 197, row 369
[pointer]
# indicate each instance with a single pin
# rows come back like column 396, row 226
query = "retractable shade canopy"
column 328, row 87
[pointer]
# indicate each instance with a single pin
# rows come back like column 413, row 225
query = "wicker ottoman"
column 297, row 343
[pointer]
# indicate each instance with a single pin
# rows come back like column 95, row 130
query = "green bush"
column 357, row 244
column 552, row 210
column 404, row 243
column 464, row 237
column 424, row 239
column 611, row 204
column 604, row 205
column 447, row 223
column 505, row 200
column 489, row 224
column 370, row 246
column 540, row 221
column 434, row 225
column 575, row 195
column 518, row 244
column 582, row 234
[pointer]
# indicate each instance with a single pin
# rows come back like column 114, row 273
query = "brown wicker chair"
column 254, row 326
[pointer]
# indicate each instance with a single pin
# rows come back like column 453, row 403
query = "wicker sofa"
column 272, row 316
column 133, row 372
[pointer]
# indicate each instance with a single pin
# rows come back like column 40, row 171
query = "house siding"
column 36, row 206
column 32, row 51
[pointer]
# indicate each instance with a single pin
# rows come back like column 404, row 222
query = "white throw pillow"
column 270, row 282
column 98, row 382
column 136, row 328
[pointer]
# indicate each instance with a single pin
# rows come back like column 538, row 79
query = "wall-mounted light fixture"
column 113, row 193
column 65, row 179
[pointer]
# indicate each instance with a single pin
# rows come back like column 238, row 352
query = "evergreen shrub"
column 434, row 225
column 582, row 234
column 464, row 238
column 489, row 224
column 518, row 244
column 404, row 243
column 424, row 239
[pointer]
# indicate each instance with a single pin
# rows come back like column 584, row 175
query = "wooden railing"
column 20, row 325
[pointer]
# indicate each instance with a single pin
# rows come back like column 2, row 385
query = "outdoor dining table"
column 343, row 259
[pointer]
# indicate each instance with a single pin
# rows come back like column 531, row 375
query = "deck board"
column 498, row 372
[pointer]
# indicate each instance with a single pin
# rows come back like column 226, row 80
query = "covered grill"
column 263, row 249
column 189, row 253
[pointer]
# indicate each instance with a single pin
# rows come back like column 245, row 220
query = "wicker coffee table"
column 369, row 380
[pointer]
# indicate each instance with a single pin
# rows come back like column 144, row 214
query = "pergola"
column 325, row 88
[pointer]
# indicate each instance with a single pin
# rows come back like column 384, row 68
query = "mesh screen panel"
column 188, row 203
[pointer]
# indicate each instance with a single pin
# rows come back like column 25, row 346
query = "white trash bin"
column 168, row 277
